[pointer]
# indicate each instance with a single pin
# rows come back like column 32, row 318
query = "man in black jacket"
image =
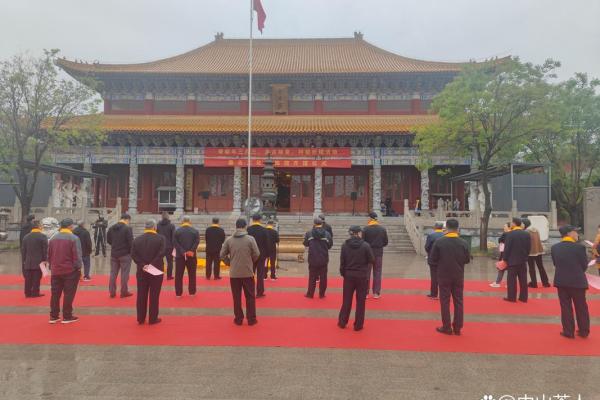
column 86, row 248
column 431, row 238
column 34, row 250
column 120, row 238
column 100, row 235
column 166, row 229
column 318, row 241
column 326, row 226
column 450, row 254
column 214, row 236
column 260, row 235
column 148, row 249
column 516, row 253
column 376, row 236
column 186, row 240
column 355, row 259
column 273, row 236
column 26, row 228
column 570, row 261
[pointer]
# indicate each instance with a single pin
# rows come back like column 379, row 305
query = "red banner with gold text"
column 294, row 157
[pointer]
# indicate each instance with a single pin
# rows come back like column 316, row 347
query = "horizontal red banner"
column 294, row 163
column 278, row 152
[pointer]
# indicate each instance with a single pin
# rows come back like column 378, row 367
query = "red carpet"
column 295, row 300
column 400, row 335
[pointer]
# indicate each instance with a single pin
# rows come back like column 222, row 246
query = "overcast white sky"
column 124, row 31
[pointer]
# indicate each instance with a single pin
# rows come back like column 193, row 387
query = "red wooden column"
column 372, row 100
column 415, row 104
column 318, row 104
column 149, row 104
column 190, row 104
column 107, row 106
column 244, row 104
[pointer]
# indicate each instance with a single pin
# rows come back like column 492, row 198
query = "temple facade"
column 337, row 116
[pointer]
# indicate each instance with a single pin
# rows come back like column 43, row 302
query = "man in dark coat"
column 86, row 248
column 516, row 254
column 214, row 236
column 318, row 241
column 355, row 259
column 100, row 235
column 273, row 236
column 376, row 236
column 34, row 250
column 450, row 254
column 148, row 249
column 166, row 229
column 570, row 261
column 26, row 228
column 260, row 235
column 431, row 238
column 120, row 238
column 186, row 240
column 326, row 226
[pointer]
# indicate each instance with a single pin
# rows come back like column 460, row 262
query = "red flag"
column 260, row 13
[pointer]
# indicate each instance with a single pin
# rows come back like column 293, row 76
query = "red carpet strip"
column 296, row 300
column 399, row 335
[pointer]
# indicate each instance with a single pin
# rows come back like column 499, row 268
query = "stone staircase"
column 399, row 241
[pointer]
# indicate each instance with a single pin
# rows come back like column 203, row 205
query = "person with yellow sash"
column 438, row 232
column 214, row 236
column 261, row 236
column 34, row 250
column 517, row 247
column 570, row 261
column 376, row 236
column 186, row 240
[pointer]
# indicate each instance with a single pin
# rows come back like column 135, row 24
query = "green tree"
column 36, row 107
column 488, row 112
column 571, row 143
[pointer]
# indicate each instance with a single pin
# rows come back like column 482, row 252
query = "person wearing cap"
column 273, row 237
column 34, row 250
column 166, row 229
column 535, row 256
column 326, row 226
column 356, row 258
column 431, row 238
column 450, row 254
column 86, row 248
column 318, row 241
column 516, row 253
column 148, row 249
column 260, row 235
column 186, row 240
column 120, row 238
column 240, row 252
column 376, row 236
column 570, row 261
column 214, row 236
column 64, row 257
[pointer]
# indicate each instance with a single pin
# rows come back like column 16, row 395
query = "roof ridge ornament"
column 358, row 35
column 219, row 36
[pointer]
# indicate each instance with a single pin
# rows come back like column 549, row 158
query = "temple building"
column 337, row 116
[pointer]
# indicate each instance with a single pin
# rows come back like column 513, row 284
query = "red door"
column 339, row 188
column 302, row 197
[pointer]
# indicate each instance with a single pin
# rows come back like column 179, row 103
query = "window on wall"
column 162, row 177
column 220, row 185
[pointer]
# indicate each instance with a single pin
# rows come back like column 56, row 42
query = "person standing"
column 120, row 238
column 431, row 238
column 535, row 256
column 570, row 261
column 318, row 241
column 64, row 257
column 516, row 252
column 34, row 250
column 241, row 253
column 273, row 237
column 356, row 257
column 26, row 228
column 166, row 229
column 596, row 249
column 148, row 249
column 86, row 248
column 100, row 235
column 326, row 226
column 501, row 244
column 376, row 236
column 259, row 233
column 214, row 236
column 186, row 240
column 450, row 253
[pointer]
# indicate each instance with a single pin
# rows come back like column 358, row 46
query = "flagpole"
column 250, row 109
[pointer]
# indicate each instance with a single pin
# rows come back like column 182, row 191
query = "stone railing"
column 414, row 229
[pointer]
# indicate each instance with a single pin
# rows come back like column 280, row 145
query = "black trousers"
column 169, row 259
column 213, row 265
column 272, row 263
column 100, row 244
column 259, row 272
column 532, row 261
column 359, row 286
column 32, row 282
column 148, row 295
column 517, row 272
column 181, row 264
column 433, row 290
column 67, row 285
column 317, row 272
column 247, row 284
column 454, row 290
column 569, row 298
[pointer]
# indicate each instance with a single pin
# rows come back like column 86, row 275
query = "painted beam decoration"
column 295, row 157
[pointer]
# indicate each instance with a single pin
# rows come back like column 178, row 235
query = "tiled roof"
column 275, row 56
column 315, row 124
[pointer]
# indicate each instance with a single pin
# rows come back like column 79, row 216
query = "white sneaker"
column 376, row 296
column 495, row 285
